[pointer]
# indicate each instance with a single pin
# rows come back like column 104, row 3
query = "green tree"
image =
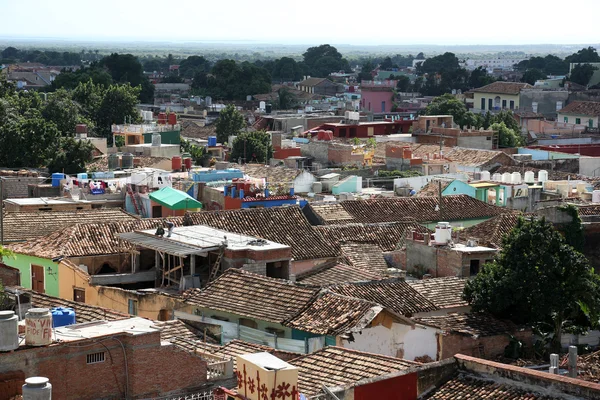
column 10, row 52
column 582, row 73
column 403, row 83
column 286, row 69
column 479, row 77
column 126, row 68
column 323, row 60
column 365, row 71
column 5, row 253
column 450, row 105
column 285, row 99
column 230, row 122
column 537, row 278
column 507, row 117
column 387, row 64
column 72, row 156
column 532, row 75
column 64, row 112
column 116, row 106
column 507, row 137
column 585, row 55
column 252, row 147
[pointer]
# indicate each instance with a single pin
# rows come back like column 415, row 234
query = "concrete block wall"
column 18, row 187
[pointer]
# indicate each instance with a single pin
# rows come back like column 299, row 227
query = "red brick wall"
column 449, row 263
column 493, row 346
column 152, row 369
column 9, row 276
column 403, row 387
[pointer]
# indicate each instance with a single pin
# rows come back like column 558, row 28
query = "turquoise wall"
column 459, row 187
column 347, row 185
column 23, row 264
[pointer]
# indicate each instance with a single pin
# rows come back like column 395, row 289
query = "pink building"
column 377, row 96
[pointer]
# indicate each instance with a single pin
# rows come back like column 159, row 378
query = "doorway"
column 37, row 278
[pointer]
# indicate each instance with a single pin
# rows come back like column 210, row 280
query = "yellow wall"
column 508, row 97
column 71, row 277
column 270, row 378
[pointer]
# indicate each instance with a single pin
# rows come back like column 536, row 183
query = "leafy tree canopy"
column 450, row 105
column 585, row 55
column 507, row 137
column 532, row 75
column 230, row 122
column 582, row 73
column 252, row 147
column 323, row 60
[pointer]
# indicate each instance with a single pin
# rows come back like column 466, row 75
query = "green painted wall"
column 23, row 263
column 168, row 137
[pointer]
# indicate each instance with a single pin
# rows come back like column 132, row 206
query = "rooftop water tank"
column 485, row 175
column 172, row 119
column 82, row 176
column 596, row 196
column 38, row 327
column 176, row 163
column 56, row 177
column 317, row 187
column 515, row 177
column 443, row 233
column 506, row 177
column 113, row 161
column 497, row 177
column 62, row 316
column 37, row 388
column 127, row 160
column 212, row 141
column 542, row 175
column 9, row 331
column 529, row 177
column 156, row 139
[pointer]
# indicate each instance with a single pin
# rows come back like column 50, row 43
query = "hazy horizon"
column 286, row 23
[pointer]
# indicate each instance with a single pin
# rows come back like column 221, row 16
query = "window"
column 483, row 103
column 591, row 123
column 490, row 104
column 79, row 295
column 578, row 121
column 474, row 267
column 566, row 119
column 383, row 106
column 248, row 323
column 95, row 358
column 503, row 103
column 512, row 104
column 133, row 307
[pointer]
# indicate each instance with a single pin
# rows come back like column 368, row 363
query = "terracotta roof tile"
column 253, row 296
column 432, row 188
column 388, row 236
column 394, row 294
column 331, row 213
column 490, row 232
column 285, row 225
column 442, row 292
column 101, row 163
column 334, row 273
column 421, row 209
column 21, row 226
column 275, row 175
column 336, row 366
column 194, row 345
column 367, row 257
column 590, row 108
column 239, row 347
column 176, row 328
column 471, row 387
column 333, row 314
column 191, row 129
column 311, row 81
column 471, row 324
column 86, row 239
column 503, row 87
column 83, row 312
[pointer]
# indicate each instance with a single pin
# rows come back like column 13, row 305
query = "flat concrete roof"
column 132, row 326
column 475, row 249
column 43, row 201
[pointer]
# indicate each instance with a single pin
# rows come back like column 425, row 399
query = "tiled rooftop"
column 101, row 163
column 333, row 314
column 367, row 257
column 461, row 155
column 589, row 108
column 22, row 226
column 503, row 87
column 334, row 273
column 421, row 209
column 388, row 235
column 86, row 239
column 471, row 324
column 251, row 295
column 275, row 175
column 394, row 294
column 442, row 292
column 83, row 312
column 466, row 386
column 490, row 232
column 432, row 188
column 239, row 347
column 176, row 328
column 336, row 366
column 285, row 225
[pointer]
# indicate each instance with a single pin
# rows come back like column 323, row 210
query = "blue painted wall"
column 268, row 203
column 459, row 187
column 217, row 175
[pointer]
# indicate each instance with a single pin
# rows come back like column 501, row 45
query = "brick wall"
column 152, row 369
column 18, row 187
column 9, row 276
column 484, row 347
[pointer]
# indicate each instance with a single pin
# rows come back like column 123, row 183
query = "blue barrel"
column 62, row 316
column 82, row 176
column 212, row 141
column 56, row 177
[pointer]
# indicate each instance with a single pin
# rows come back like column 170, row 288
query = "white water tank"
column 485, row 175
column 515, row 177
column 156, row 139
column 596, row 196
column 542, row 175
column 529, row 177
column 139, row 178
column 317, row 187
column 37, row 388
column 9, row 331
column 477, row 176
column 38, row 327
column 497, row 178
column 443, row 233
column 506, row 177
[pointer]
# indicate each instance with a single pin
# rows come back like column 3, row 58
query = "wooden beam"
column 172, row 270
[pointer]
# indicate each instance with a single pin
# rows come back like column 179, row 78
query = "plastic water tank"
column 56, row 177
column 9, row 331
column 596, row 196
column 188, row 163
column 38, row 327
column 515, row 177
column 212, row 141
column 176, row 163
column 82, row 176
column 37, row 388
column 497, row 178
column 506, row 177
column 443, row 232
column 529, row 177
column 62, row 316
column 113, row 161
column 127, row 160
column 542, row 176
column 485, row 175
column 317, row 187
column 172, row 119
column 156, row 139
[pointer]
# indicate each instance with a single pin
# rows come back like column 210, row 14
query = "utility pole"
column 440, row 200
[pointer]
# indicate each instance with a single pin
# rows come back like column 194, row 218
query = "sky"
column 444, row 22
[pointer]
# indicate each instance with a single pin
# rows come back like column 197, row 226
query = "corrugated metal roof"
column 162, row 244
